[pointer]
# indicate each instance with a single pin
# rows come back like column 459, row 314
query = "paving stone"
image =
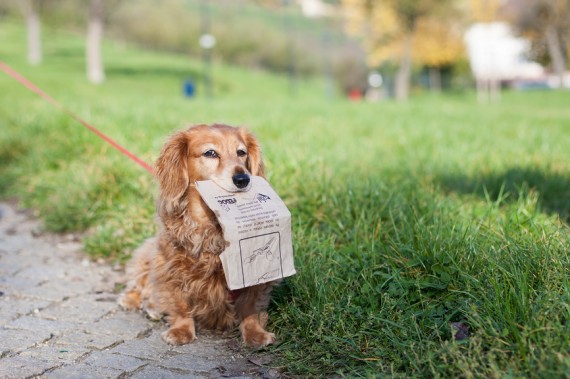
column 23, row 367
column 57, row 290
column 13, row 285
column 36, row 324
column 83, row 309
column 43, row 273
column 53, row 353
column 190, row 363
column 207, row 344
column 89, row 340
column 18, row 246
column 8, row 267
column 121, row 324
column 12, row 340
column 83, row 371
column 153, row 372
column 238, row 368
column 68, row 246
column 18, row 307
column 116, row 361
column 152, row 347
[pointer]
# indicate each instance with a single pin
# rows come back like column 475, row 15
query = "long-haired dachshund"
column 178, row 274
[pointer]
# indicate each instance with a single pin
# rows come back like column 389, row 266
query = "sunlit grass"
column 407, row 218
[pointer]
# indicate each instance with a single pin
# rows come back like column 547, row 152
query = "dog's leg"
column 182, row 329
column 250, row 306
column 253, row 332
column 136, row 293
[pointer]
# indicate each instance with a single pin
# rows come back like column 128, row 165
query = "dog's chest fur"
column 197, row 273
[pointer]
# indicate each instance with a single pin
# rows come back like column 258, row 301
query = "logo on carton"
column 225, row 203
column 262, row 198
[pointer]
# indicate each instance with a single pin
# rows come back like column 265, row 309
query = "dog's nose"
column 241, row 180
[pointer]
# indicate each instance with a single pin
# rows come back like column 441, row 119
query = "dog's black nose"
column 241, row 180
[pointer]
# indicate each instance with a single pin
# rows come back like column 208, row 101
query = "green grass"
column 406, row 217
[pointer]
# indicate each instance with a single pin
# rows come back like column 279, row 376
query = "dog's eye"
column 211, row 154
column 241, row 153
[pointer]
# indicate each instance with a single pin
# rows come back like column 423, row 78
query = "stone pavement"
column 59, row 318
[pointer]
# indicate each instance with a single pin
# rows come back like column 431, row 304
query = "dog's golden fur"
column 178, row 273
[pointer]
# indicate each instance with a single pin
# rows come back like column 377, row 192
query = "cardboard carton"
column 257, row 228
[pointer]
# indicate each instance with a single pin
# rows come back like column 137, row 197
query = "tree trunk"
column 435, row 79
column 555, row 52
column 95, row 72
column 488, row 90
column 34, row 32
column 481, row 92
column 494, row 90
column 404, row 71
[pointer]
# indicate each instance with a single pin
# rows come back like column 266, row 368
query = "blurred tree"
column 31, row 12
column 485, row 10
column 247, row 34
column 390, row 27
column 547, row 24
column 437, row 45
column 272, row 4
column 98, row 13
column 94, row 58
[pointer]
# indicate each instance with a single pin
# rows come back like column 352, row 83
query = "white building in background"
column 496, row 54
column 316, row 8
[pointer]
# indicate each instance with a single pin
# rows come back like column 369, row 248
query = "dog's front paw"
column 258, row 338
column 178, row 336
column 181, row 332
column 253, row 334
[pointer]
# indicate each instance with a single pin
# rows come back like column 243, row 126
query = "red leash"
column 14, row 74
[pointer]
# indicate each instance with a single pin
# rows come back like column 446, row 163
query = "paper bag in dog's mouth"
column 257, row 228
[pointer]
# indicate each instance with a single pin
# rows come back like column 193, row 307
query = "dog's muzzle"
column 241, row 180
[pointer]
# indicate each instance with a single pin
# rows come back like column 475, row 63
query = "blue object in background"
column 189, row 88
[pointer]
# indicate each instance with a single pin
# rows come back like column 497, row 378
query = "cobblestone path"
column 59, row 318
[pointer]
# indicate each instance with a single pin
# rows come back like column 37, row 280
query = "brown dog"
column 178, row 273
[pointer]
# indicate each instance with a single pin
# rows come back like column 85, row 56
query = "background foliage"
column 265, row 38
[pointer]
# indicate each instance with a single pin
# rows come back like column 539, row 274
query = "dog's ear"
column 172, row 167
column 254, row 161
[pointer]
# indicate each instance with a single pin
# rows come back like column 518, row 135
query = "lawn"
column 431, row 238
